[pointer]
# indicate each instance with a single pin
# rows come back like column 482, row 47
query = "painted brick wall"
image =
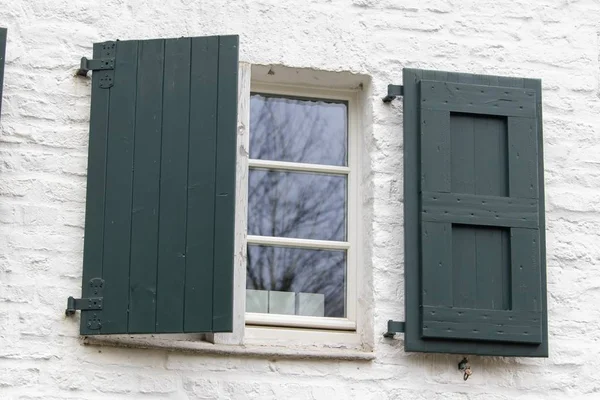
column 43, row 153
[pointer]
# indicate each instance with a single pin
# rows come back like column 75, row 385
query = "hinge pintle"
column 94, row 302
column 393, row 92
column 95, row 65
column 394, row 327
column 85, row 304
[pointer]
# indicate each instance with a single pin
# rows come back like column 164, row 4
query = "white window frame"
column 351, row 245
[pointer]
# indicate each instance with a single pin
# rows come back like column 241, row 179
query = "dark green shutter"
column 474, row 215
column 2, row 61
column 159, row 226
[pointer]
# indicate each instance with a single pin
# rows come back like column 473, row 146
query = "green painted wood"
column 118, row 196
column 536, row 85
column 490, row 154
column 462, row 208
column 523, row 156
column 462, row 138
column 161, row 187
column 146, row 187
column 412, row 226
column 437, row 265
column 173, row 187
column 3, row 35
column 482, row 331
column 474, row 98
column 488, row 325
column 95, row 193
column 493, row 282
column 435, row 151
column 464, row 266
column 482, row 256
column 525, row 269
column 201, row 185
column 225, row 184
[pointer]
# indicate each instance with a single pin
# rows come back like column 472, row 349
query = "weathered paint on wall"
column 43, row 153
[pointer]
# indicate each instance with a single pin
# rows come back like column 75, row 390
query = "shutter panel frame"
column 132, row 146
column 435, row 94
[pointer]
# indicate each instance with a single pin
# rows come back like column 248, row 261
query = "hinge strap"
column 394, row 327
column 85, row 304
column 95, row 65
column 94, row 302
column 106, row 64
column 393, row 92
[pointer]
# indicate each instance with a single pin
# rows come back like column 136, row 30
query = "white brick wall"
column 43, row 152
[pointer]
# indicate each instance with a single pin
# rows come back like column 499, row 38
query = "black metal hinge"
column 393, row 92
column 96, row 287
column 106, row 64
column 95, row 65
column 394, row 327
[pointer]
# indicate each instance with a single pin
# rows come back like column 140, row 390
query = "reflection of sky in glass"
column 300, row 271
column 307, row 131
column 299, row 205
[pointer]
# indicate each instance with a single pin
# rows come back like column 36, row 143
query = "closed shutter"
column 159, row 226
column 474, row 211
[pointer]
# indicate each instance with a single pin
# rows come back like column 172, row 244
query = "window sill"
column 256, row 351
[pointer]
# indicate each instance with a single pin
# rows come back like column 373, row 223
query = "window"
column 302, row 189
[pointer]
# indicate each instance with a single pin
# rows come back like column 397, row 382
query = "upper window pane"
column 298, row 130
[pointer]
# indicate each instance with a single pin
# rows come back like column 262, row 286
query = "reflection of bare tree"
column 301, row 205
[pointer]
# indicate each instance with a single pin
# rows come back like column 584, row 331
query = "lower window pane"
column 290, row 281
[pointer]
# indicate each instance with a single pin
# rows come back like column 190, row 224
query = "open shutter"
column 474, row 211
column 159, row 231
column 2, row 61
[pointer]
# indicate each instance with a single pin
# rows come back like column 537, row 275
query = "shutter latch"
column 95, row 65
column 393, row 92
column 96, row 286
column 394, row 327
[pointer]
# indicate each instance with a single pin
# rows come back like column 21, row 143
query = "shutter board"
column 162, row 157
column 3, row 34
column 473, row 193
column 146, row 187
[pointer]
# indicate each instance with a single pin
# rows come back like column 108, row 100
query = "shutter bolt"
column 465, row 368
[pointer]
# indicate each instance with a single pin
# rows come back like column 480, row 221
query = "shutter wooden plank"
column 494, row 325
column 3, row 34
column 536, row 85
column 173, row 188
column 412, row 235
column 477, row 99
column 462, row 138
column 490, row 155
column 525, row 272
column 479, row 210
column 435, row 151
column 201, row 185
column 493, row 268
column 464, row 315
column 523, row 157
column 482, row 332
column 225, row 184
column 119, row 177
column 437, row 265
column 464, row 266
column 95, row 191
column 146, row 187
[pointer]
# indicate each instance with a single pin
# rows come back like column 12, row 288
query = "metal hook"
column 465, row 367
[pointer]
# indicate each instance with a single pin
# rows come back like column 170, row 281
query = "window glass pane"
column 295, row 130
column 296, row 204
column 293, row 281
